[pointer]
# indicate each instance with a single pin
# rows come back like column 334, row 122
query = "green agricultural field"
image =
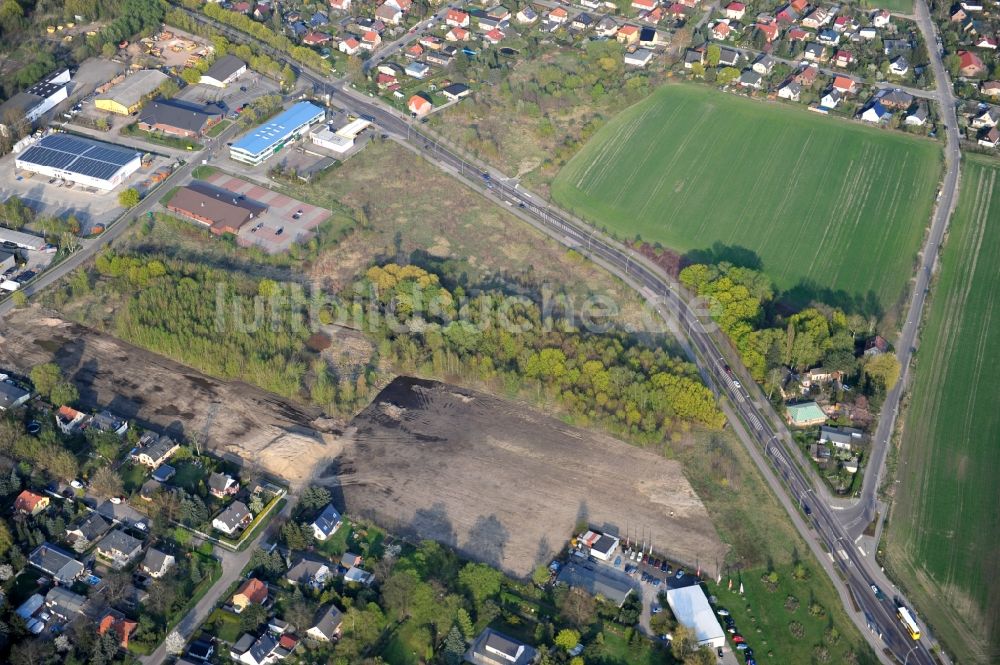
column 818, row 200
column 944, row 530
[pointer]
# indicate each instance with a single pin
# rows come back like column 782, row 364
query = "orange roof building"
column 253, row 592
column 122, row 627
column 29, row 503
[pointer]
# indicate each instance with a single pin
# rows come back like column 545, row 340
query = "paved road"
column 233, row 564
column 89, row 247
column 392, row 48
column 752, row 54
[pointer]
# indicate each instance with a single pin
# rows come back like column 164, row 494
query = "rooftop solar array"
column 78, row 155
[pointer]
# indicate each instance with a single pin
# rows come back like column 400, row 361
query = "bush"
column 796, row 629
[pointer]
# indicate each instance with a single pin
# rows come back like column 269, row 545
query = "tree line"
column 609, row 379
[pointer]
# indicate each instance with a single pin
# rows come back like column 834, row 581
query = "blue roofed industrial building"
column 81, row 160
column 267, row 139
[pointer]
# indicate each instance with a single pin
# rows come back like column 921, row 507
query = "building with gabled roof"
column 30, row 503
column 492, row 647
column 55, row 562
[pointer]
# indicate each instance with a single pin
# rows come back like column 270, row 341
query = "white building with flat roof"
column 691, row 609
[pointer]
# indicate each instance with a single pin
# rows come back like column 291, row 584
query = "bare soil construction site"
column 506, row 484
column 281, row 437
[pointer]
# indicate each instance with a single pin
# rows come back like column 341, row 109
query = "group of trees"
column 742, row 302
column 560, row 97
column 250, row 54
column 608, row 378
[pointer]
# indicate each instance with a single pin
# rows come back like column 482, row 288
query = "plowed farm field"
column 944, row 529
column 826, row 205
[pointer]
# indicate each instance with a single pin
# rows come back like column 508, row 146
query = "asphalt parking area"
column 286, row 221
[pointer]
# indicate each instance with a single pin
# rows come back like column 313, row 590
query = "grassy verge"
column 219, row 127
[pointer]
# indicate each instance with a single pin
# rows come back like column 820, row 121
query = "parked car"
column 742, row 646
column 722, row 612
column 680, row 573
column 738, row 639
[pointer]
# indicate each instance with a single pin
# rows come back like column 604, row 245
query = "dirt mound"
column 507, row 484
column 282, row 437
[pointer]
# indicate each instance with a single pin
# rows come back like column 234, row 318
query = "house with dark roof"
column 156, row 563
column 12, row 396
column 221, row 485
column 309, row 571
column 179, row 118
column 64, row 603
column 55, row 562
column 84, row 533
column 154, row 450
column 233, row 518
column 106, row 421
column 328, row 623
column 327, row 523
column 456, row 91
column 494, row 648
column 119, row 548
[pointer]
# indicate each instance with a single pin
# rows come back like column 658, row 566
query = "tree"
column 454, row 647
column 578, row 608
column 314, row 498
column 19, row 299
column 294, row 536
column 175, row 643
column 727, row 75
column 256, row 504
column 662, row 623
column 567, row 639
column 252, row 616
column 397, row 592
column 883, row 369
column 713, row 54
column 481, row 581
column 107, row 483
column 45, row 377
column 129, row 198
column 540, row 575
column 64, row 392
column 6, row 539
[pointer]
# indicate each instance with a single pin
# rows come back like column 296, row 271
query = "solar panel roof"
column 78, row 155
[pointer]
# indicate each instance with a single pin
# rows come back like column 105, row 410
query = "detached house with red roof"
column 253, row 592
column 969, row 64
column 494, row 36
column 628, row 35
column 844, row 84
column 350, row 46
column 419, row 105
column 721, row 31
column 389, row 14
column 29, row 503
column 456, row 18
column 313, row 38
column 457, row 34
column 559, row 15
column 643, row 5
column 769, row 30
column 736, row 11
column 341, row 5
column 843, row 59
column 371, row 40
column 121, row 627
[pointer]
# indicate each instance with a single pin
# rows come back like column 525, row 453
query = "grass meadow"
column 818, row 200
column 944, row 531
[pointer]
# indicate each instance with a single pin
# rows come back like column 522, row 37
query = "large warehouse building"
column 84, row 161
column 269, row 138
column 28, row 106
column 691, row 609
column 127, row 96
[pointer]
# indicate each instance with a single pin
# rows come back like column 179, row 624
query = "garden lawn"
column 943, row 537
column 823, row 203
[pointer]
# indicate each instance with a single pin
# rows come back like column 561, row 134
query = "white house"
column 640, row 58
column 327, row 523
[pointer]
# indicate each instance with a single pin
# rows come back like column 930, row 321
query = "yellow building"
column 127, row 97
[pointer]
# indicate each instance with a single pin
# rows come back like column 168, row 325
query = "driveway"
column 233, row 564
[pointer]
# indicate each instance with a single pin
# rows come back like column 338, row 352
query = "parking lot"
column 46, row 196
column 244, row 90
column 286, row 221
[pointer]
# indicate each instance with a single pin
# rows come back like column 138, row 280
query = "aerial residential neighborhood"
column 502, row 333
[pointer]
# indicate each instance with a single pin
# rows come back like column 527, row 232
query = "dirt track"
column 506, row 484
column 281, row 437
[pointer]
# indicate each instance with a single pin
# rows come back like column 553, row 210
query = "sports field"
column 944, row 530
column 819, row 200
